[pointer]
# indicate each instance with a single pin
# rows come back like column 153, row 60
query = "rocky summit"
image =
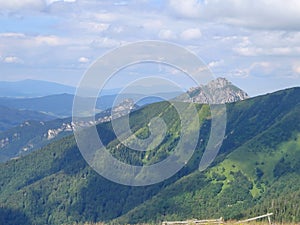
column 218, row 91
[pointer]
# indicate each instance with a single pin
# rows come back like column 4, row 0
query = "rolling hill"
column 257, row 170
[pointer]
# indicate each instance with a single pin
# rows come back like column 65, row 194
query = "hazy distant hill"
column 61, row 105
column 56, row 105
column 35, row 133
column 12, row 117
column 257, row 171
column 33, row 88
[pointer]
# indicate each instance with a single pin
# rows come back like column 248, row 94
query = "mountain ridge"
column 33, row 88
column 13, row 117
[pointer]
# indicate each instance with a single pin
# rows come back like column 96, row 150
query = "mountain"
column 257, row 171
column 13, row 117
column 33, row 88
column 56, row 105
column 218, row 91
column 61, row 105
column 34, row 134
column 40, row 88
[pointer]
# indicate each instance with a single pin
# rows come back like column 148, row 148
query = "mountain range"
column 33, row 88
column 32, row 133
column 256, row 171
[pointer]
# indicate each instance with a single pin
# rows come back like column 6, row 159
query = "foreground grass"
column 229, row 223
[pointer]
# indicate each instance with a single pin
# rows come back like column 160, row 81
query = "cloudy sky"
column 256, row 45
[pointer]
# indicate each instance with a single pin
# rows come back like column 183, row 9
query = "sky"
column 254, row 44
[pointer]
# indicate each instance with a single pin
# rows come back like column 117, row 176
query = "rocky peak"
column 218, row 91
column 218, row 83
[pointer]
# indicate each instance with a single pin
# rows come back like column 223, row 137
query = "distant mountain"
column 12, row 117
column 36, row 133
column 218, row 91
column 55, row 105
column 33, row 88
column 61, row 105
column 257, row 171
column 39, row 88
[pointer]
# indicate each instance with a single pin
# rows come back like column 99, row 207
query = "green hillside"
column 257, row 170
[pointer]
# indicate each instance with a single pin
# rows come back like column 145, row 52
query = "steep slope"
column 256, row 165
column 13, row 117
column 257, row 170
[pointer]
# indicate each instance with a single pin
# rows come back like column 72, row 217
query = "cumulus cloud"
column 83, row 60
column 275, row 14
column 12, row 35
column 186, row 8
column 262, row 68
column 266, row 43
column 296, row 68
column 50, row 40
column 13, row 5
column 12, row 59
column 191, row 34
column 49, row 2
column 66, row 33
column 166, row 34
column 214, row 64
column 104, row 42
column 25, row 4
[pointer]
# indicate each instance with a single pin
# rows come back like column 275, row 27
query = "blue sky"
column 256, row 45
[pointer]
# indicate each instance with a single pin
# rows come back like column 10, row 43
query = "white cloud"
column 105, row 42
column 13, row 5
column 296, row 68
column 257, row 69
column 275, row 14
column 103, row 16
column 239, row 73
column 49, row 2
column 191, row 34
column 268, row 43
column 50, row 40
column 12, row 35
column 12, row 59
column 153, row 24
column 83, row 60
column 186, row 8
column 24, row 4
column 262, row 69
column 214, row 64
column 166, row 34
column 93, row 27
column 66, row 33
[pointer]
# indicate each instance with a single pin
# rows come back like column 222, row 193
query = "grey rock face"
column 218, row 91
